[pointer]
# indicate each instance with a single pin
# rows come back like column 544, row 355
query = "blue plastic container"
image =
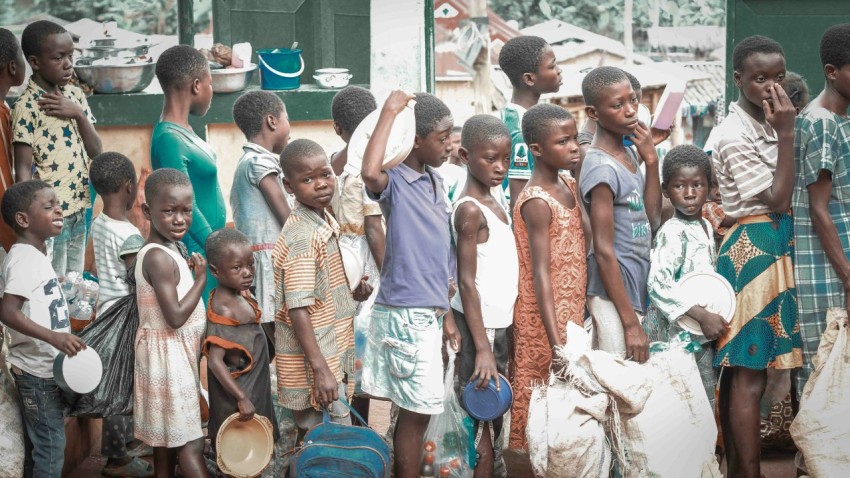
column 280, row 68
column 488, row 404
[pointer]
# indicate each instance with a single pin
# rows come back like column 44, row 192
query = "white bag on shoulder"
column 821, row 429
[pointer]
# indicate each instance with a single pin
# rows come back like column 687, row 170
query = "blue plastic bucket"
column 280, row 68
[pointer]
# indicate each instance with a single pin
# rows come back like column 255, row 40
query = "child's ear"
column 287, row 186
column 337, row 129
column 664, row 191
column 830, row 72
column 535, row 149
column 271, row 122
column 463, row 154
column 590, row 111
column 22, row 219
column 417, row 141
column 146, row 211
column 213, row 270
column 33, row 61
column 529, row 79
column 196, row 86
column 736, row 76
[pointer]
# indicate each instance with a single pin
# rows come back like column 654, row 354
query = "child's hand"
column 246, row 409
column 642, row 139
column 660, row 135
column 451, row 335
column 199, row 267
column 779, row 112
column 713, row 326
column 325, row 388
column 485, row 369
column 397, row 101
column 68, row 344
column 54, row 104
column 363, row 290
column 637, row 343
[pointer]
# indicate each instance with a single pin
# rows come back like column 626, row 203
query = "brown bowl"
column 244, row 449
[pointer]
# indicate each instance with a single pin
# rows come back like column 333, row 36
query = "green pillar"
column 185, row 21
column 430, row 57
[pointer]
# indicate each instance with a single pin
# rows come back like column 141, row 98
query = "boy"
column 36, row 314
column 753, row 160
column 54, row 129
column 360, row 222
column 402, row 361
column 12, row 70
column 622, row 204
column 821, row 243
column 113, row 177
column 453, row 170
column 488, row 274
column 529, row 63
column 259, row 203
column 315, row 330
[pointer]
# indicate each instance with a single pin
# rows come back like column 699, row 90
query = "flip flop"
column 141, row 450
column 137, row 468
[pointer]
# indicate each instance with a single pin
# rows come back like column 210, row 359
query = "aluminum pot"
column 229, row 80
column 117, row 78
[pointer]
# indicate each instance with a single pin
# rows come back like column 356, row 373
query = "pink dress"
column 166, row 408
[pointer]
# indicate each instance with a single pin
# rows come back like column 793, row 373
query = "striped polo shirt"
column 108, row 236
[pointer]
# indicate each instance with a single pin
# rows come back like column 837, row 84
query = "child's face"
column 235, row 268
column 687, row 190
column 170, row 212
column 840, row 79
column 43, row 218
column 55, row 63
column 281, row 134
column 548, row 77
column 559, row 146
column 617, row 108
column 454, row 156
column 312, row 181
column 434, row 149
column 759, row 73
column 202, row 89
column 488, row 161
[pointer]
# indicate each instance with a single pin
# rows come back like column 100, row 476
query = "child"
column 453, row 170
column 185, row 78
column 822, row 154
column 236, row 347
column 53, row 128
column 530, row 65
column 259, row 203
column 551, row 242
column 113, row 177
column 684, row 244
column 797, row 89
column 754, row 162
column 315, row 328
column 361, row 227
column 488, row 273
column 624, row 207
column 34, row 310
column 402, row 361
column 12, row 70
column 171, row 327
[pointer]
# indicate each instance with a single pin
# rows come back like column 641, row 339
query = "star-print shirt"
column 58, row 151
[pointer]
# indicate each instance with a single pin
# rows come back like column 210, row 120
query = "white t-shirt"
column 108, row 235
column 29, row 274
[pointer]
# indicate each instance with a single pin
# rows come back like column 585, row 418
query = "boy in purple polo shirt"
column 402, row 360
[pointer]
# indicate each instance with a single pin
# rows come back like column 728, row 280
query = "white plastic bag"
column 822, row 427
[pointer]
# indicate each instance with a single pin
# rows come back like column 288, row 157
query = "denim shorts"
column 402, row 359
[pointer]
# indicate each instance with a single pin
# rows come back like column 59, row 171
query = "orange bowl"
column 244, row 449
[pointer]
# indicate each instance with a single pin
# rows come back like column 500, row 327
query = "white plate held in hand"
column 80, row 373
column 710, row 291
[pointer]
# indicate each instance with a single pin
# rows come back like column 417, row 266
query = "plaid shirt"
column 821, row 142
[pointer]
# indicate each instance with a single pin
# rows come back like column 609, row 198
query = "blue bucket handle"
column 280, row 73
column 326, row 416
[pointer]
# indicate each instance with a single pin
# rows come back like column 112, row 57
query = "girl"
column 171, row 326
column 552, row 260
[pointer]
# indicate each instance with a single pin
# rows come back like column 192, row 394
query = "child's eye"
column 308, row 180
column 760, row 79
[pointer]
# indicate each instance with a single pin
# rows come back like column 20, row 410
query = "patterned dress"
column 166, row 408
column 568, row 272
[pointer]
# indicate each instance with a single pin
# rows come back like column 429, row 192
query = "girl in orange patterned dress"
column 548, row 224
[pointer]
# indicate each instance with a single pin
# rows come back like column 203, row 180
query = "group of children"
column 444, row 260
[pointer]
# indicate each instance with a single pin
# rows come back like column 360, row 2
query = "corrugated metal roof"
column 705, row 94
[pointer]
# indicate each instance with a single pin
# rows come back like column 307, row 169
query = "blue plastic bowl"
column 488, row 404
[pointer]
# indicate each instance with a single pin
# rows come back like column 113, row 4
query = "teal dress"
column 173, row 146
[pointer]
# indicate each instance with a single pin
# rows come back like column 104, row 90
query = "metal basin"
column 117, row 78
column 229, row 80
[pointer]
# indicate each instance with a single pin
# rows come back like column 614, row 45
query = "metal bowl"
column 117, row 78
column 229, row 80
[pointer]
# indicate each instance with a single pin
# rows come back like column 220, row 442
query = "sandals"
column 137, row 468
column 141, row 450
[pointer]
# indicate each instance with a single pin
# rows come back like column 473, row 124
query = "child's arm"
column 820, row 193
column 374, row 177
column 469, row 222
column 652, row 190
column 537, row 216
column 602, row 225
column 376, row 238
column 325, row 387
column 162, row 274
column 215, row 362
column 23, row 162
column 56, row 104
column 273, row 194
column 11, row 315
column 780, row 115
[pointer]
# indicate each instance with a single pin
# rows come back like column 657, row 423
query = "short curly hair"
column 163, row 178
column 835, row 46
column 597, row 80
column 429, row 111
column 350, row 105
column 537, row 120
column 635, row 83
column 751, row 46
column 178, row 66
column 521, row 55
column 18, row 198
column 218, row 242
column 36, row 33
column 684, row 156
column 109, row 170
column 481, row 129
column 251, row 109
column 9, row 47
column 797, row 89
column 297, row 151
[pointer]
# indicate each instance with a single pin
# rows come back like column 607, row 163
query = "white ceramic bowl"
column 332, row 77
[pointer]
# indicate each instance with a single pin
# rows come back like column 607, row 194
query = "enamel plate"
column 80, row 373
column 709, row 290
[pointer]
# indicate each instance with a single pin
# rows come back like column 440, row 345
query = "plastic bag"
column 11, row 424
column 446, row 441
column 821, row 429
column 113, row 335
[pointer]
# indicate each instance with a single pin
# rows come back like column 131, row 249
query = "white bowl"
column 332, row 77
column 399, row 144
